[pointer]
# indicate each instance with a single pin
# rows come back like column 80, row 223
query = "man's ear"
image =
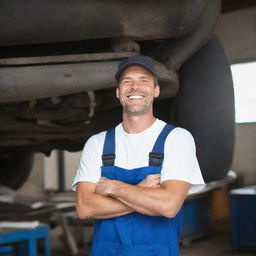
column 157, row 91
column 117, row 92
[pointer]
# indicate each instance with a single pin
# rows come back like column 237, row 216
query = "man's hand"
column 147, row 197
column 103, row 186
column 151, row 181
column 91, row 205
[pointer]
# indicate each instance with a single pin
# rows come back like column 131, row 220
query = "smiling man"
column 135, row 177
column 136, row 90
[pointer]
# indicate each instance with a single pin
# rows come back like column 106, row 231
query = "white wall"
column 71, row 164
column 237, row 32
column 244, row 161
column 50, row 166
column 44, row 174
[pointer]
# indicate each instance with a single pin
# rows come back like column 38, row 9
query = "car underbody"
column 58, row 61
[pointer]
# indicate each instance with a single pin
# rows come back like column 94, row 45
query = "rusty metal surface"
column 37, row 82
column 33, row 22
column 74, row 58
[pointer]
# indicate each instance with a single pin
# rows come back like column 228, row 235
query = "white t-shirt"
column 132, row 150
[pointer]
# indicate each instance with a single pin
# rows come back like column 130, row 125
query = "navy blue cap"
column 145, row 62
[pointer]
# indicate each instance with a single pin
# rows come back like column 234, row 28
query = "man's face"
column 136, row 90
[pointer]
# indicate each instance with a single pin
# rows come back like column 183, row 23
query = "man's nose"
column 135, row 84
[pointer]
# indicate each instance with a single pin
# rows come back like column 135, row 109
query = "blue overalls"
column 135, row 234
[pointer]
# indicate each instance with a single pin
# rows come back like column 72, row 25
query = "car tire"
column 205, row 107
column 15, row 168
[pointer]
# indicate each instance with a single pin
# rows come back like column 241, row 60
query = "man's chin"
column 136, row 111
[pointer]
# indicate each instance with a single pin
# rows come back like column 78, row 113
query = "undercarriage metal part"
column 29, row 82
column 139, row 20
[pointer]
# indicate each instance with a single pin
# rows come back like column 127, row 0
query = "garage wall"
column 50, row 166
column 44, row 174
column 244, row 161
column 237, row 32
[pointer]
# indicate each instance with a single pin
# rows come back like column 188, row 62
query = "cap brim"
column 121, row 70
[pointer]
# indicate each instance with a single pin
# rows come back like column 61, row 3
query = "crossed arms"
column 112, row 198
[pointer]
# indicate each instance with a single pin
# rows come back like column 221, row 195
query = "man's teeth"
column 135, row 97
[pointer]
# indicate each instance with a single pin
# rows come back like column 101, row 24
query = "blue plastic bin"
column 243, row 213
column 196, row 220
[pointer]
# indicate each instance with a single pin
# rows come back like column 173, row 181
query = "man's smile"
column 130, row 97
column 136, row 91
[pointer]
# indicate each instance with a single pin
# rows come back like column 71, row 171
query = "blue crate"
column 243, row 210
column 196, row 220
column 7, row 250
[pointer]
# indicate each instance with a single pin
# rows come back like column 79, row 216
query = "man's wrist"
column 115, row 185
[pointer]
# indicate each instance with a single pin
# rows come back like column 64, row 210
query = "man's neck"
column 137, row 123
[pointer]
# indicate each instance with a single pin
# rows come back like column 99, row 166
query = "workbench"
column 25, row 240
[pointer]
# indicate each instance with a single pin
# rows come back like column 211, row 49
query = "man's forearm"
column 105, row 207
column 149, row 201
column 92, row 205
column 112, row 198
column 165, row 200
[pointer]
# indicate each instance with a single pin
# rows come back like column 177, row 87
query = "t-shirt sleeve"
column 90, row 162
column 180, row 161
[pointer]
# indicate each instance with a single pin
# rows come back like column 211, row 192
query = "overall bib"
column 135, row 234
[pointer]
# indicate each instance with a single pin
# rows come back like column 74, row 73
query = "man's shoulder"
column 96, row 139
column 99, row 137
column 180, row 136
column 176, row 131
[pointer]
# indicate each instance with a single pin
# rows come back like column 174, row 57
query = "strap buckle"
column 156, row 159
column 108, row 159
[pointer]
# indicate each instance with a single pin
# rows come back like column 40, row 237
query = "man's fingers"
column 154, row 176
column 152, row 180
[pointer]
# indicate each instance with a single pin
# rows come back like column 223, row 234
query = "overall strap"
column 156, row 157
column 108, row 155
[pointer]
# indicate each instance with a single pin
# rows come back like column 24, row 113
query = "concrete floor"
column 214, row 245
